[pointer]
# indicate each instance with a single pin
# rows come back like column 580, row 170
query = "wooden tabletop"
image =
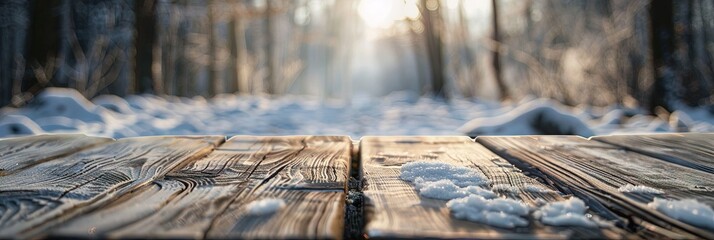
column 333, row 187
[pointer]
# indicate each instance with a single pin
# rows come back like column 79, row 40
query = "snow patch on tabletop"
column 465, row 189
column 639, row 189
column 499, row 212
column 686, row 210
column 265, row 206
column 536, row 189
column 435, row 171
column 445, row 189
column 571, row 212
column 504, row 188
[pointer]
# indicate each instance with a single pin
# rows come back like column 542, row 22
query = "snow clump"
column 571, row 212
column 435, row 171
column 499, row 212
column 463, row 187
column 639, row 189
column 686, row 210
column 265, row 206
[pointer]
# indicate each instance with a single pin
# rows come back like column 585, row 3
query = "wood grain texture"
column 396, row 210
column 37, row 198
column 595, row 170
column 207, row 197
column 693, row 150
column 22, row 152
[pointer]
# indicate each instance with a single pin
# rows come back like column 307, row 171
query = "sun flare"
column 383, row 13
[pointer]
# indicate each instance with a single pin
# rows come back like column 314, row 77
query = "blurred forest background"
column 655, row 54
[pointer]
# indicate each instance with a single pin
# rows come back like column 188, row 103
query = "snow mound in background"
column 505, row 213
column 15, row 125
column 265, row 206
column 66, row 103
column 540, row 117
column 571, row 212
column 687, row 210
column 639, row 189
column 435, row 171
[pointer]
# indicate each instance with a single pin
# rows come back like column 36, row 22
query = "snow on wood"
column 594, row 171
column 686, row 210
column 421, row 208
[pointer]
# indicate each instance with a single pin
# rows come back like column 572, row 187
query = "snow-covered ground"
column 66, row 111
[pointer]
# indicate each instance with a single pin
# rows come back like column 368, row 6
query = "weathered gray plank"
column 596, row 170
column 396, row 210
column 207, row 198
column 36, row 198
column 694, row 150
column 22, row 152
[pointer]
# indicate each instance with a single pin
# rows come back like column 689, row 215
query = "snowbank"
column 687, row 210
column 265, row 206
column 541, row 117
column 58, row 110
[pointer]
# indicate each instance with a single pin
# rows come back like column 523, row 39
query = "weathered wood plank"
column 594, row 170
column 37, row 198
column 207, row 197
column 694, row 150
column 396, row 210
column 22, row 152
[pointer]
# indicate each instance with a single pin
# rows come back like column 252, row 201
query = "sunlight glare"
column 383, row 13
column 375, row 13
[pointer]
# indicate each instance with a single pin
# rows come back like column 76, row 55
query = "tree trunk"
column 496, row 55
column 269, row 49
column 233, row 65
column 45, row 53
column 432, row 33
column 213, row 74
column 662, row 41
column 145, row 42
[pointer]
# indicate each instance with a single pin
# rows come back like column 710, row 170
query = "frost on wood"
column 265, row 206
column 639, row 189
column 686, row 210
column 571, row 212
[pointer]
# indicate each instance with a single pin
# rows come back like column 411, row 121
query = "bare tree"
column 145, row 42
column 44, row 45
column 496, row 55
column 235, row 32
column 662, row 41
column 433, row 27
column 269, row 49
column 213, row 76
